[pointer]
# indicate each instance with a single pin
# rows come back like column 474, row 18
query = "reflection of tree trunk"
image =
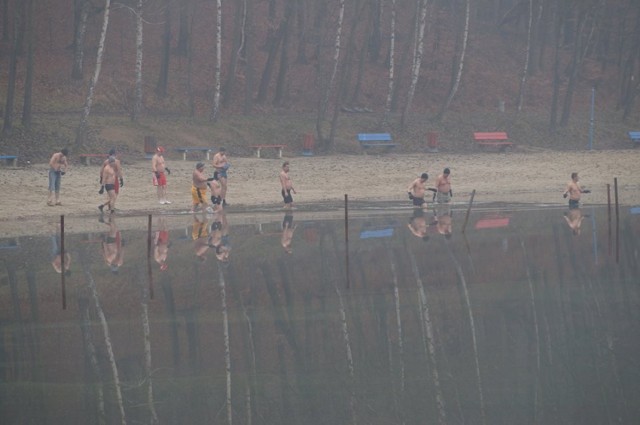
column 86, row 110
column 472, row 326
column 93, row 292
column 90, row 350
column 146, row 331
column 396, row 297
column 227, row 347
column 428, row 339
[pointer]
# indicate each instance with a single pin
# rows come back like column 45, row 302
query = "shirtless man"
column 109, row 179
column 216, row 191
column 574, row 191
column 417, row 189
column 287, row 186
column 199, row 188
column 118, row 167
column 287, row 232
column 160, row 179
column 443, row 185
column 221, row 165
column 57, row 168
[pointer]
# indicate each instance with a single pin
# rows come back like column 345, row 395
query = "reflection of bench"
column 498, row 140
column 492, row 222
column 85, row 158
column 10, row 159
column 374, row 140
column 258, row 148
column 186, row 150
column 9, row 244
column 635, row 137
column 635, row 210
column 377, row 233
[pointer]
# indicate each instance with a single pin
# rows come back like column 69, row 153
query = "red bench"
column 498, row 140
column 85, row 158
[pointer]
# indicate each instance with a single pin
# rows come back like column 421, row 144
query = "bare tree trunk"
column 375, row 37
column 392, row 53
column 527, row 55
column 28, row 82
column 137, row 101
column 218, row 66
column 417, row 58
column 86, row 110
column 456, row 82
column 184, row 32
column 238, row 46
column 324, row 102
column 553, row 118
column 163, row 77
column 249, row 64
column 301, row 9
column 78, row 42
column 7, row 127
column 281, row 80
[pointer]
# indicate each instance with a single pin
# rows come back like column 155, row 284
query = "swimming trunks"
column 288, row 199
column 197, row 195
column 418, row 202
column 443, row 197
column 109, row 187
column 162, row 179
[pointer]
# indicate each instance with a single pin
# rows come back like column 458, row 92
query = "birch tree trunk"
column 137, row 102
column 465, row 40
column 322, row 107
column 527, row 55
column 417, row 60
column 86, row 110
column 392, row 52
column 218, row 66
column 78, row 42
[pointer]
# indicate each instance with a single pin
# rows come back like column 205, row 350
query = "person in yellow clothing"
column 199, row 188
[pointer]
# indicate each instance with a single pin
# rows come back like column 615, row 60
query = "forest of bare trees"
column 394, row 58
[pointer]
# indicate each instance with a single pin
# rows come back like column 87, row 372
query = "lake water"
column 532, row 316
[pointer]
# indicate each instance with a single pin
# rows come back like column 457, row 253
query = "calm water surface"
column 533, row 317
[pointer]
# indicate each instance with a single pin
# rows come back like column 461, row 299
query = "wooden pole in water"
column 346, row 235
column 149, row 226
column 466, row 217
column 615, row 192
column 609, row 214
column 62, row 266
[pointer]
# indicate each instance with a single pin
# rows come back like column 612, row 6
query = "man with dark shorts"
column 109, row 179
column 287, row 186
column 216, row 191
column 221, row 165
column 574, row 191
column 417, row 189
column 118, row 167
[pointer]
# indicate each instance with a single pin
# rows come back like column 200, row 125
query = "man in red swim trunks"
column 160, row 179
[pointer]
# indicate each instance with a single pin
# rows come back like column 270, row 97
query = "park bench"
column 185, row 150
column 375, row 140
column 635, row 137
column 498, row 140
column 258, row 148
column 10, row 159
column 85, row 158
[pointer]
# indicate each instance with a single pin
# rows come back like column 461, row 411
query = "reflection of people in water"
column 219, row 236
column 56, row 257
column 443, row 218
column 112, row 249
column 161, row 242
column 418, row 224
column 287, row 232
column 574, row 219
column 200, row 235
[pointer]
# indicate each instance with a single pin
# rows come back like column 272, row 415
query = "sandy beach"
column 514, row 177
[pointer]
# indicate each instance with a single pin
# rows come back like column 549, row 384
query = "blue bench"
column 375, row 140
column 635, row 137
column 186, row 150
column 10, row 159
